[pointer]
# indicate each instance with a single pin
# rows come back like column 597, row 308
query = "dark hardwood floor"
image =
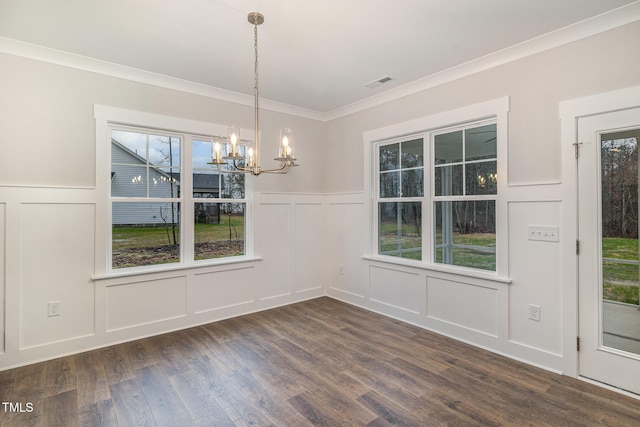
column 320, row 362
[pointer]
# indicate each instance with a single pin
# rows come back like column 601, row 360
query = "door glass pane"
column 619, row 192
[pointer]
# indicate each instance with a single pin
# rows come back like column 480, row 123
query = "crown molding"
column 85, row 63
column 598, row 24
column 589, row 27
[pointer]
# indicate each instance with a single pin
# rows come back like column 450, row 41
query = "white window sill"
column 452, row 271
column 154, row 269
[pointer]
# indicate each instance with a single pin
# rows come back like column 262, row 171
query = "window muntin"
column 159, row 201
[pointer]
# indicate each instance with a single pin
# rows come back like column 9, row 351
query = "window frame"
column 108, row 118
column 495, row 110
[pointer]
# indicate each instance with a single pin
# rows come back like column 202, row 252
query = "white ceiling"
column 318, row 55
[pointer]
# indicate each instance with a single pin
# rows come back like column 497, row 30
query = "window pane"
column 412, row 155
column 206, row 184
column 233, row 185
column 164, row 151
column 218, row 230
column 465, row 234
column 448, row 148
column 129, row 181
column 145, row 234
column 390, row 184
column 201, row 154
column 144, row 165
column 389, row 157
column 400, row 229
column 481, row 178
column 128, row 147
column 448, row 180
column 412, row 183
column 480, row 143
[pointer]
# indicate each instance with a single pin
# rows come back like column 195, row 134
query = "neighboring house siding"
column 129, row 178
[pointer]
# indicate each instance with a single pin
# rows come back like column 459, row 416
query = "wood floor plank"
column 165, row 404
column 91, row 380
column 60, row 376
column 61, row 410
column 101, row 414
column 320, row 362
column 116, row 364
column 130, row 404
column 199, row 400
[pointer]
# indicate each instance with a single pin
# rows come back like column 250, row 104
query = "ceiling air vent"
column 378, row 82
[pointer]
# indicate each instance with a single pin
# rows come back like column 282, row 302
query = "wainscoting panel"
column 346, row 241
column 56, row 260
column 398, row 289
column 146, row 302
column 462, row 304
column 309, row 247
column 273, row 242
column 218, row 290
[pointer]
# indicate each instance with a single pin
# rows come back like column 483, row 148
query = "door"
column 608, row 276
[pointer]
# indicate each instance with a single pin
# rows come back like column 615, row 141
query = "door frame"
column 570, row 112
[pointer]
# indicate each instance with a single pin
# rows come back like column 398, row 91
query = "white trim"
column 570, row 112
column 595, row 25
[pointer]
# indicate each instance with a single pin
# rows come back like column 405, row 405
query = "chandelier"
column 245, row 157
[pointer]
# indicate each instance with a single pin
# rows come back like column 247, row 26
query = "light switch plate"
column 544, row 233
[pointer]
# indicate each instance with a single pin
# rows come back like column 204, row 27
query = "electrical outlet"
column 341, row 269
column 53, row 308
column 534, row 312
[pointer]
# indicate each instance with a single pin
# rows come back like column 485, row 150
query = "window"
column 167, row 204
column 447, row 179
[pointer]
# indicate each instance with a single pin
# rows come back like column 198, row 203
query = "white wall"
column 310, row 227
column 487, row 313
column 49, row 211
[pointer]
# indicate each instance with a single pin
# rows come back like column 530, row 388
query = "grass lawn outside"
column 620, row 281
column 138, row 246
column 411, row 248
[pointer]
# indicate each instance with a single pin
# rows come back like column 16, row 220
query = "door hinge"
column 577, row 247
column 576, row 145
column 578, row 343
